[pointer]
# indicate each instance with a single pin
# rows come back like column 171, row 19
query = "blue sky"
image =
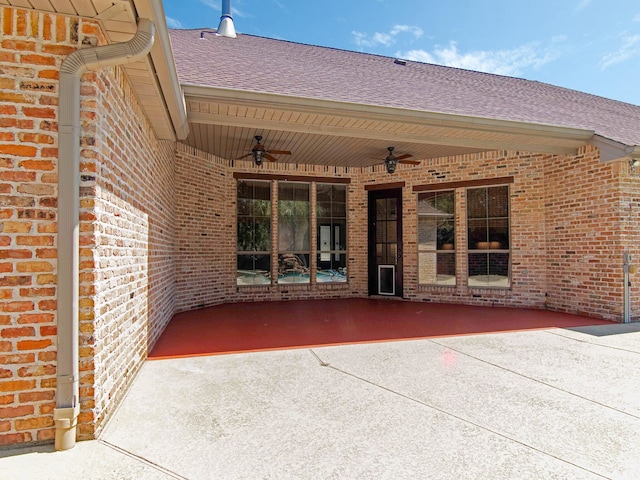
column 588, row 45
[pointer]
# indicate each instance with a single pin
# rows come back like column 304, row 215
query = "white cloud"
column 386, row 39
column 502, row 62
column 173, row 23
column 629, row 49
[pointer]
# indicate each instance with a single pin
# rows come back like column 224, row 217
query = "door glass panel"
column 392, row 231
column 381, row 209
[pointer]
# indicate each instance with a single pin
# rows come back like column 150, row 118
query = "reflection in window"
column 488, row 236
column 331, row 220
column 293, row 232
column 254, row 233
column 436, row 238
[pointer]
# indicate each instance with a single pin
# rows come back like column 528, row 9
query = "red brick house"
column 503, row 192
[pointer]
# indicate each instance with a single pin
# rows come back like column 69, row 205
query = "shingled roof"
column 267, row 65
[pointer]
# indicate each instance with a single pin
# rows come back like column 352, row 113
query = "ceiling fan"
column 259, row 152
column 391, row 162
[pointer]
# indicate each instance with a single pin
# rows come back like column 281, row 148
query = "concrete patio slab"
column 552, row 404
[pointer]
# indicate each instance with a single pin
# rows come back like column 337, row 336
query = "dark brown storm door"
column 385, row 242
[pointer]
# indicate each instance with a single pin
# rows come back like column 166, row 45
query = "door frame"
column 373, row 196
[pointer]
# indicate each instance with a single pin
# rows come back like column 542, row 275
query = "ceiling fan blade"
column 244, row 156
column 280, row 152
column 411, row 162
column 402, row 157
column 270, row 157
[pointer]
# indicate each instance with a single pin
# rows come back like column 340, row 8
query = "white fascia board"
column 612, row 150
column 164, row 65
column 374, row 112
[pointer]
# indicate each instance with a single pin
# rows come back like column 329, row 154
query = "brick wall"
column 31, row 47
column 127, row 238
column 549, row 194
column 206, row 234
column 584, row 226
column 127, row 242
column 127, row 229
column 158, row 229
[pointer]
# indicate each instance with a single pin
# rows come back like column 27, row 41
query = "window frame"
column 340, row 275
column 289, row 259
column 254, row 253
column 274, row 181
column 438, row 251
column 488, row 250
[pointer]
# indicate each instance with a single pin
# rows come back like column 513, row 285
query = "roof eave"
column 164, row 66
column 573, row 137
column 612, row 150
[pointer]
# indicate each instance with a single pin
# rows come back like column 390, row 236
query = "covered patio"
column 263, row 326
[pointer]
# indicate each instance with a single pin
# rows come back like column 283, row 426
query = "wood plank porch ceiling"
column 224, row 123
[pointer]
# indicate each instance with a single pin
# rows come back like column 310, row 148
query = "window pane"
column 499, row 264
column 436, row 233
column 245, row 234
column 444, row 202
column 331, row 233
column 498, row 201
column 293, row 268
column 478, row 235
column 489, row 270
column 499, row 233
column 253, row 270
column 293, row 217
column 446, row 238
column 427, row 233
column 478, row 265
column 253, row 232
column 331, row 268
column 477, row 203
column 489, row 234
column 262, row 235
column 339, row 201
column 244, row 206
column 437, row 268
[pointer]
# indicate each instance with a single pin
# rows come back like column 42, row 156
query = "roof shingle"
column 281, row 67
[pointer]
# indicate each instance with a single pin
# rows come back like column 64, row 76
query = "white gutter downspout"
column 65, row 414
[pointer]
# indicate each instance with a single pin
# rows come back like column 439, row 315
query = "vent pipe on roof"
column 226, row 28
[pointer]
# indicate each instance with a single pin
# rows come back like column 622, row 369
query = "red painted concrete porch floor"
column 260, row 326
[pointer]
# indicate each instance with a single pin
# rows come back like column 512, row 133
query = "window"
column 293, row 232
column 254, row 233
column 436, row 238
column 488, row 236
column 331, row 224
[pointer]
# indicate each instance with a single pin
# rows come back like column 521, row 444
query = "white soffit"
column 154, row 79
column 345, row 134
